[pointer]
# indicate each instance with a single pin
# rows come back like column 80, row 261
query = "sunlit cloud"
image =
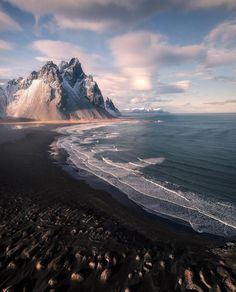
column 134, row 56
column 142, row 68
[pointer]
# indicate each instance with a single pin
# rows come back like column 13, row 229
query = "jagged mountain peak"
column 63, row 65
column 72, row 71
column 110, row 107
column 57, row 92
column 50, row 72
column 74, row 62
column 50, row 66
column 90, row 77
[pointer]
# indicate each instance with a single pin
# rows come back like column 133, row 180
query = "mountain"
column 110, row 107
column 3, row 100
column 57, row 93
column 11, row 88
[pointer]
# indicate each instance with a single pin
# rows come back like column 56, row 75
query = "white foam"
column 203, row 215
column 157, row 160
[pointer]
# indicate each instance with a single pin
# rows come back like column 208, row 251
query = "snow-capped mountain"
column 146, row 110
column 11, row 88
column 57, row 93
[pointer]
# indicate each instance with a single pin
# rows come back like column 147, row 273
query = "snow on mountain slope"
column 56, row 93
column 11, row 88
column 110, row 107
column 2, row 103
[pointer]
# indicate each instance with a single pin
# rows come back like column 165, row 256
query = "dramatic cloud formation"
column 176, row 52
column 136, row 44
column 102, row 15
column 134, row 62
column 7, row 23
column 97, row 15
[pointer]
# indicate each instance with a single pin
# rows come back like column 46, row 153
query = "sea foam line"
column 174, row 203
column 195, row 209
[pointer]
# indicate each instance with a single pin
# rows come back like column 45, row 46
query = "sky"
column 179, row 55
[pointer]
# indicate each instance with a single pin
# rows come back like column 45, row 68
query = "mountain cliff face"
column 57, row 93
column 2, row 103
column 110, row 107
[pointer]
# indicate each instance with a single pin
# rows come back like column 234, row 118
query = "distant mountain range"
column 145, row 110
column 56, row 93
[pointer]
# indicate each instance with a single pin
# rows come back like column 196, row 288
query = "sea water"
column 182, row 167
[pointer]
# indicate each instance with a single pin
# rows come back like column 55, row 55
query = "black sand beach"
column 60, row 234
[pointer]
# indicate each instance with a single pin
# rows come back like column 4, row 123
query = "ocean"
column 181, row 167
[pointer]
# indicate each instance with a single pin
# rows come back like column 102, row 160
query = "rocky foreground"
column 60, row 248
column 59, row 234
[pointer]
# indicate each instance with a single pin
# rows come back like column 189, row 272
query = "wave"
column 157, row 160
column 203, row 214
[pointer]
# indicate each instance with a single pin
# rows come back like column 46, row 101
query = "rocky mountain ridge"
column 56, row 93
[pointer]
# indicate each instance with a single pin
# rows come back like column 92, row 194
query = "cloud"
column 96, row 15
column 7, row 23
column 140, row 55
column 135, row 46
column 177, row 87
column 5, row 72
column 221, row 102
column 103, row 15
column 210, row 4
column 220, row 57
column 225, row 79
column 162, row 100
column 119, row 87
column 148, row 100
column 97, row 26
column 59, row 50
column 5, row 45
column 223, row 34
column 220, row 45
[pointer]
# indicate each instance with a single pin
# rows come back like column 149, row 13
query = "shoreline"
column 99, row 184
column 62, row 122
column 60, row 233
column 95, row 178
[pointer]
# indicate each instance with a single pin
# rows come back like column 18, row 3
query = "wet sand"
column 60, row 234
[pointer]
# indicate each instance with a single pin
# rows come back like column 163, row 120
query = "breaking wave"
column 89, row 148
